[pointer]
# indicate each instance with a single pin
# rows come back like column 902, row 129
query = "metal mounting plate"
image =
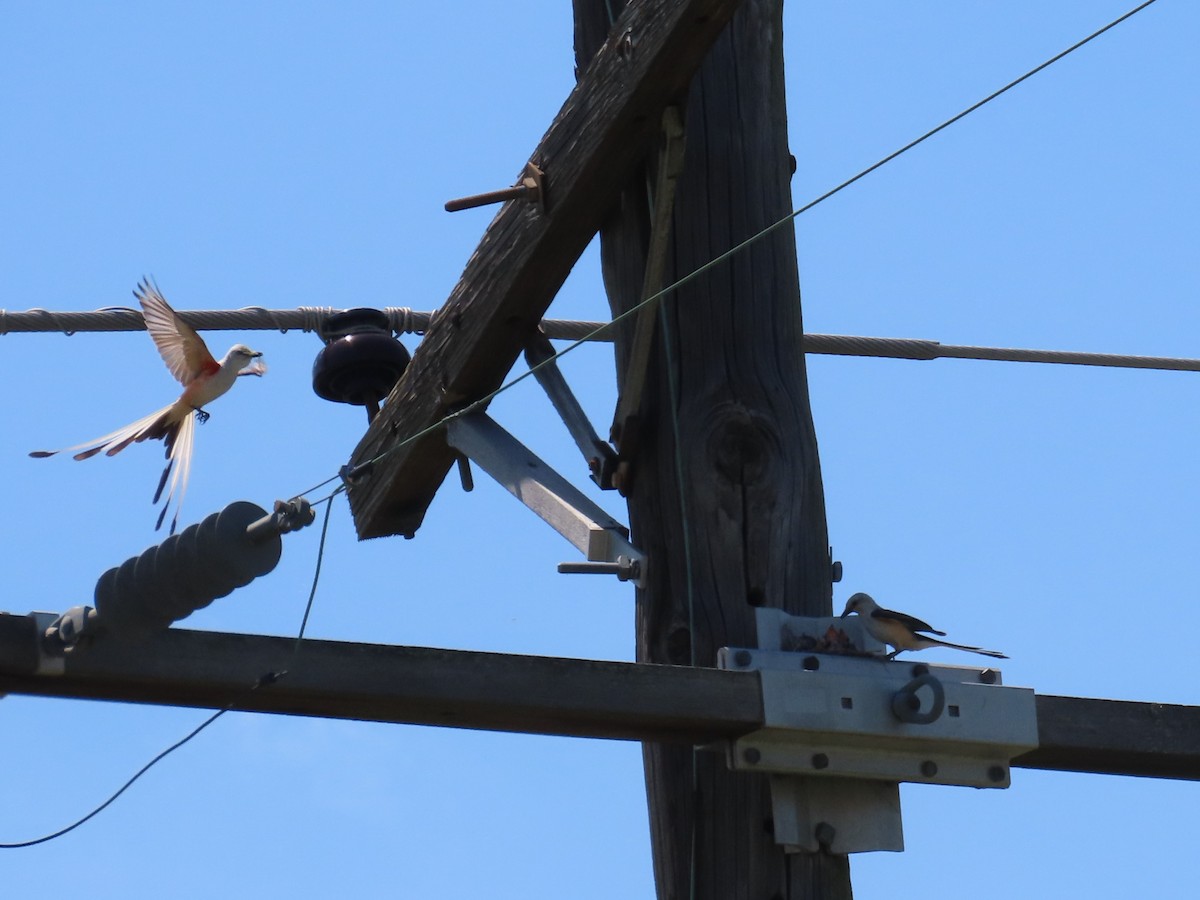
column 831, row 715
column 839, row 815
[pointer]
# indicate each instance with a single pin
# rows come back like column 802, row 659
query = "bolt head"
column 824, row 833
column 752, row 755
column 820, row 761
column 929, row 768
column 743, row 658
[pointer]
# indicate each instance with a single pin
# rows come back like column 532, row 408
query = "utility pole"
column 718, row 460
column 722, row 475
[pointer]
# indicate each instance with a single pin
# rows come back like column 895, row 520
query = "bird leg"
column 893, row 654
column 201, row 415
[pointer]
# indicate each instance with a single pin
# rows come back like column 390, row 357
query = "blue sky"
column 288, row 154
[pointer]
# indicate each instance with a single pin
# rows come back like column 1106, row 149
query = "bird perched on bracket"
column 901, row 630
column 204, row 380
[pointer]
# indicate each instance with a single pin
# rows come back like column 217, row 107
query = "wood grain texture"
column 380, row 683
column 589, row 152
column 1116, row 737
column 744, row 525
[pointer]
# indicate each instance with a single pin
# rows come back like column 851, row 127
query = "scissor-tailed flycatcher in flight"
column 204, row 380
column 900, row 630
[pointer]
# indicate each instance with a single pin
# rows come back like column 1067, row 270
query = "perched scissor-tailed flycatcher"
column 900, row 630
column 204, row 380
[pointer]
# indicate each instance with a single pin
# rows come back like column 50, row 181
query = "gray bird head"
column 243, row 351
column 239, row 359
column 860, row 603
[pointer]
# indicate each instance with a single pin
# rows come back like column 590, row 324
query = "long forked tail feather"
column 162, row 483
column 115, row 441
column 179, row 442
column 170, row 435
column 177, row 436
column 996, row 654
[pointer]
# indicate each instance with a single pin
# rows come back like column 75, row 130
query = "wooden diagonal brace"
column 591, row 150
column 670, row 166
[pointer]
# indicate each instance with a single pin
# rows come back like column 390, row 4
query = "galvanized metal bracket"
column 560, row 504
column 850, row 726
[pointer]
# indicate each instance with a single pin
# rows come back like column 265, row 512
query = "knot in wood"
column 742, row 445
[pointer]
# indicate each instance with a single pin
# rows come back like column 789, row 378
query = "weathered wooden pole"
column 731, row 514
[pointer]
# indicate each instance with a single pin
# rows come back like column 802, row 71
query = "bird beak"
column 255, row 368
column 256, row 353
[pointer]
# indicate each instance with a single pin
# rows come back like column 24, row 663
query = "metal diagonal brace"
column 600, row 456
column 599, row 536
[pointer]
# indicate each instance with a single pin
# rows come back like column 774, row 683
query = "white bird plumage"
column 203, row 379
column 900, row 630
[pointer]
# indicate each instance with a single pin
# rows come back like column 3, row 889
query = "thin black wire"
column 738, row 248
column 328, row 501
column 717, row 260
column 772, row 228
column 269, row 678
column 142, row 771
column 273, row 676
column 966, row 112
column 316, row 487
column 341, row 489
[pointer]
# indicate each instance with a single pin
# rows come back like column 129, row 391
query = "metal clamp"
column 854, row 713
column 67, row 630
column 290, row 515
column 842, row 729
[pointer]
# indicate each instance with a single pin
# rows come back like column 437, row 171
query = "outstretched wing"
column 912, row 623
column 182, row 349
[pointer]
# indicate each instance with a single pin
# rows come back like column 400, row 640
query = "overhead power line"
column 403, row 320
column 251, row 318
column 903, row 348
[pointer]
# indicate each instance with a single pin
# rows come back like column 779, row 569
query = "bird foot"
column 202, row 416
